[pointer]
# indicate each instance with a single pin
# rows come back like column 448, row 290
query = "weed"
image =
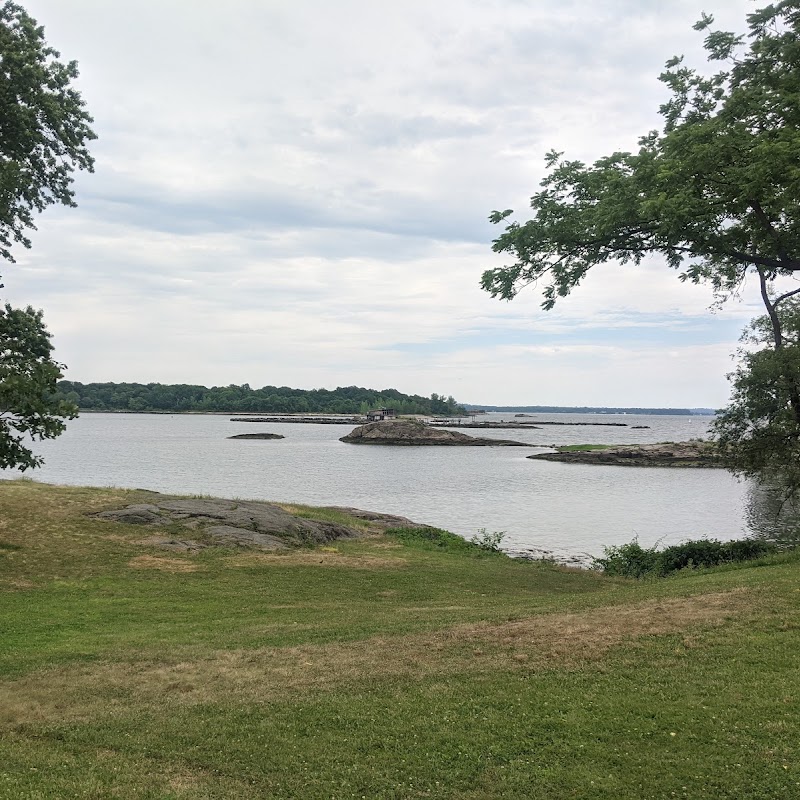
column 488, row 541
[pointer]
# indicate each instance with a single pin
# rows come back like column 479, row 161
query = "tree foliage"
column 29, row 404
column 716, row 193
column 758, row 433
column 44, row 131
column 233, row 398
column 44, row 128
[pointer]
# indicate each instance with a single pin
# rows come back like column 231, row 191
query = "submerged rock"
column 412, row 432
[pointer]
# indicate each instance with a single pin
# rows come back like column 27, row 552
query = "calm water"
column 567, row 509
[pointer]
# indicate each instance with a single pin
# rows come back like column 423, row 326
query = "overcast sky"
column 296, row 193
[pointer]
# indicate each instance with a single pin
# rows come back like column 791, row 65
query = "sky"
column 297, row 194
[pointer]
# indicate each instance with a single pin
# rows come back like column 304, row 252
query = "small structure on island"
column 380, row 414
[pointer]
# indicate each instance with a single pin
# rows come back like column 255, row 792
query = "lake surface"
column 569, row 510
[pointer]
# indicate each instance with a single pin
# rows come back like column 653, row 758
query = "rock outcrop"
column 242, row 523
column 257, row 436
column 665, row 454
column 514, row 425
column 414, row 433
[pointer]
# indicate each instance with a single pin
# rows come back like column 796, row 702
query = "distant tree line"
column 594, row 410
column 233, row 398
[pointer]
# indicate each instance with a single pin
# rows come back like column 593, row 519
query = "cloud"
column 298, row 194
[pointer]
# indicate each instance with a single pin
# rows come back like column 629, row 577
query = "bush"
column 700, row 553
column 488, row 541
column 629, row 560
column 634, row 561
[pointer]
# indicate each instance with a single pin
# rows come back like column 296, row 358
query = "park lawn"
column 384, row 667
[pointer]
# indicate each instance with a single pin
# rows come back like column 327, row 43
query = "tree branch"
column 770, row 229
column 785, row 296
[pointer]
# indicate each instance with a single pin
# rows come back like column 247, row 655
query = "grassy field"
column 386, row 667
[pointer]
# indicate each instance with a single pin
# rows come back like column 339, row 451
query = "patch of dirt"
column 17, row 584
column 163, row 564
column 596, row 631
column 543, row 642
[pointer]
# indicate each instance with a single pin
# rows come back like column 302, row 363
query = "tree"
column 44, row 131
column 716, row 193
column 758, row 433
column 29, row 407
column 44, row 128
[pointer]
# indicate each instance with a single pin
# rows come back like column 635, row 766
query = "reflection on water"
column 771, row 515
column 567, row 509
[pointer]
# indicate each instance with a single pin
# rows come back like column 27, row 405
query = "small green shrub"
column 630, row 560
column 634, row 561
column 488, row 541
column 749, row 548
column 699, row 553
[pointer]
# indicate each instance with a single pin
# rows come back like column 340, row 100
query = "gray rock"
column 183, row 545
column 694, row 453
column 382, row 520
column 257, row 436
column 240, row 537
column 413, row 433
column 142, row 514
column 244, row 523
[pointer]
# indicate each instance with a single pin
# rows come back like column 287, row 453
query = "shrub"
column 630, row 560
column 699, row 553
column 634, row 561
column 748, row 548
column 488, row 541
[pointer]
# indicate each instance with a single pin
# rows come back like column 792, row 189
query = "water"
column 568, row 509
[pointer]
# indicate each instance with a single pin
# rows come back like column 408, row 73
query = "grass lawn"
column 384, row 667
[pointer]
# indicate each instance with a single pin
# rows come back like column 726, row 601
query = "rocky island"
column 695, row 453
column 412, row 432
column 257, row 436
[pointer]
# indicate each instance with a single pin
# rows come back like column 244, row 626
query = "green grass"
column 407, row 665
column 325, row 515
